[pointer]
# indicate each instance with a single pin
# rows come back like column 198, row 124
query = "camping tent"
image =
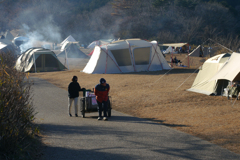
column 20, row 40
column 212, row 76
column 200, row 51
column 68, row 39
column 130, row 55
column 170, row 49
column 71, row 50
column 6, row 35
column 38, row 60
column 100, row 42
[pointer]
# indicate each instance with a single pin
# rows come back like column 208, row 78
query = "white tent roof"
column 231, row 69
column 68, row 39
column 131, row 55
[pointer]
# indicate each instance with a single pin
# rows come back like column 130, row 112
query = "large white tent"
column 38, row 60
column 215, row 74
column 130, row 55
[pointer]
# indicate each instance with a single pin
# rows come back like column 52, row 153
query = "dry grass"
column 138, row 94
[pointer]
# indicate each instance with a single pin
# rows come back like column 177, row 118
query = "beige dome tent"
column 130, row 55
column 205, row 82
column 38, row 60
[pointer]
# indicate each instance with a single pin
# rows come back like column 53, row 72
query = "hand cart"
column 88, row 103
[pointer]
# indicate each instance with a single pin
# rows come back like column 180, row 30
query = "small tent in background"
column 71, row 50
column 6, row 35
column 7, row 46
column 204, row 82
column 200, row 51
column 99, row 43
column 20, row 40
column 68, row 39
column 130, row 55
column 174, row 48
column 38, row 60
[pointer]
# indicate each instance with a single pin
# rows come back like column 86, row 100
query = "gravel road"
column 122, row 137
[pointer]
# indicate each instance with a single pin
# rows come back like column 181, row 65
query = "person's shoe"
column 76, row 115
column 70, row 114
column 99, row 118
column 105, row 118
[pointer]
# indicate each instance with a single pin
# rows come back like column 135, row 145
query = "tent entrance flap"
column 46, row 62
column 221, row 84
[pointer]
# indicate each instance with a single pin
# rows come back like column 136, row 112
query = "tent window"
column 142, row 56
column 122, row 57
column 50, row 61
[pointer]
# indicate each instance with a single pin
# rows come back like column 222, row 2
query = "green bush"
column 16, row 112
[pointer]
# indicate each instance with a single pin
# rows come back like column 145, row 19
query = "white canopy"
column 173, row 44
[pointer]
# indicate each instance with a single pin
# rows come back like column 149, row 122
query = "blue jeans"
column 102, row 106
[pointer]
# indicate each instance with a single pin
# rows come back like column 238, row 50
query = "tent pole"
column 130, row 50
column 106, row 59
column 34, row 62
column 66, row 59
column 172, row 57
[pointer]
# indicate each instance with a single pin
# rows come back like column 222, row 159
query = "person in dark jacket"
column 101, row 91
column 73, row 94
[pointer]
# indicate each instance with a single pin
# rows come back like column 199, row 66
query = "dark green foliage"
column 160, row 3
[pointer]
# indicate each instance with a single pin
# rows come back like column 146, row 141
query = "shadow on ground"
column 172, row 71
column 174, row 145
column 60, row 153
column 138, row 120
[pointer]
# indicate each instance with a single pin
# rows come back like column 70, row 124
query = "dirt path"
column 122, row 137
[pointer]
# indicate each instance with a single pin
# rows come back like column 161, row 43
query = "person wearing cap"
column 73, row 94
column 101, row 91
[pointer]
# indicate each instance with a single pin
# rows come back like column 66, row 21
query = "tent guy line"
column 186, row 79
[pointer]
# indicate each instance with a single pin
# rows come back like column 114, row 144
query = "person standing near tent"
column 73, row 94
column 101, row 91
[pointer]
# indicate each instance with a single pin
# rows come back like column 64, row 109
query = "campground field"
column 163, row 98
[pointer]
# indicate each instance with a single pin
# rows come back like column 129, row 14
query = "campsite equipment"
column 130, row 55
column 88, row 103
column 233, row 91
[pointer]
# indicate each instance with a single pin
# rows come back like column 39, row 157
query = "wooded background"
column 166, row 21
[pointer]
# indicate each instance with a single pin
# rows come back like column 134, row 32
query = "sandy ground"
column 163, row 98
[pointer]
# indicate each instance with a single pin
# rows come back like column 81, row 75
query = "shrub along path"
column 122, row 137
